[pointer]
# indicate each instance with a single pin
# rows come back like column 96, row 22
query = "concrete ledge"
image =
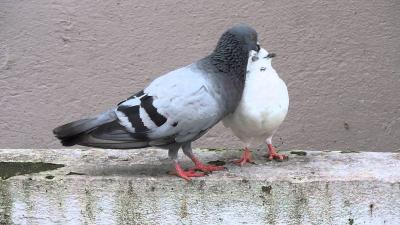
column 131, row 187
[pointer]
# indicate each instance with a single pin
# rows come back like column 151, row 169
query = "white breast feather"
column 263, row 106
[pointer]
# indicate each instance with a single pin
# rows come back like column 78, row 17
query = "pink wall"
column 63, row 60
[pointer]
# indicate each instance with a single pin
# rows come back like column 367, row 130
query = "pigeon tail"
column 71, row 133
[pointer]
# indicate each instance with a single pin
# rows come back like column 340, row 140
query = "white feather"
column 124, row 121
column 146, row 119
column 131, row 102
column 263, row 106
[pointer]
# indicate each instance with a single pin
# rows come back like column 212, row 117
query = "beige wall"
column 63, row 60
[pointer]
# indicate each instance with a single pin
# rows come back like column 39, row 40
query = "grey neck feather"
column 229, row 57
column 228, row 65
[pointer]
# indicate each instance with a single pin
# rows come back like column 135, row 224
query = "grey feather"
column 176, row 108
column 69, row 132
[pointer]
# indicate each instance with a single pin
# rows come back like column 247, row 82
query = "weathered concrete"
column 132, row 187
column 64, row 60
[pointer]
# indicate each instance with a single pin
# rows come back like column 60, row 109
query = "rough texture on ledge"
column 98, row 186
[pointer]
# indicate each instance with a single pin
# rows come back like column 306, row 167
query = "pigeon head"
column 233, row 48
column 245, row 35
column 261, row 58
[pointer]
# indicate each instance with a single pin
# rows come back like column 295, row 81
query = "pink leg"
column 198, row 165
column 186, row 174
column 272, row 154
column 246, row 157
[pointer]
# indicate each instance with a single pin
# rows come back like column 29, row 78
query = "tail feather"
column 74, row 128
column 102, row 131
column 71, row 133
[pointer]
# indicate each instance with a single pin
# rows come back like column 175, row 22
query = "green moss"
column 217, row 163
column 349, row 151
column 5, row 203
column 266, row 189
column 301, row 153
column 90, row 203
column 50, row 177
column 214, row 149
column 129, row 205
column 184, row 208
column 10, row 169
column 75, row 173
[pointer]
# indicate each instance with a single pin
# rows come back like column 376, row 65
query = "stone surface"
column 64, row 60
column 98, row 186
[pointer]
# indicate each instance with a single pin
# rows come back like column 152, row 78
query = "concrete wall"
column 115, row 187
column 63, row 60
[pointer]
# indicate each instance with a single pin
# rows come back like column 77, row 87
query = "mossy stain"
column 266, row 189
column 10, row 169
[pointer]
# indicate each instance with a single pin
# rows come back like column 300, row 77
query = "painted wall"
column 63, row 60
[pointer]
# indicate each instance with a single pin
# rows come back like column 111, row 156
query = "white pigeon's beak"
column 270, row 55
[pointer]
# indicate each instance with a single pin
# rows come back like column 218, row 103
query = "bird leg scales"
column 198, row 165
column 186, row 174
column 272, row 154
column 246, row 158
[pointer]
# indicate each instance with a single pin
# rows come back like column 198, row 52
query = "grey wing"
column 176, row 107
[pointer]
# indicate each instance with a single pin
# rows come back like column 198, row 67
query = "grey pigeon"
column 176, row 108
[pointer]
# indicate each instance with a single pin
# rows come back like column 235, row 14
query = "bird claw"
column 242, row 161
column 272, row 154
column 246, row 158
column 186, row 174
column 277, row 157
column 206, row 168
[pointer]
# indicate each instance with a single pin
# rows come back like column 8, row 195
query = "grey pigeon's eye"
column 254, row 58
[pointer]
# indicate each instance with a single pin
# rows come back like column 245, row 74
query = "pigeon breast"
column 264, row 103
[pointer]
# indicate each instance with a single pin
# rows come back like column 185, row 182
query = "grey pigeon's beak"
column 270, row 55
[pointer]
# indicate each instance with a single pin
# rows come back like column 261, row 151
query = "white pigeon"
column 176, row 108
column 263, row 106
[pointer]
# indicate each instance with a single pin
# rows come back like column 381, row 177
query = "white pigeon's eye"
column 254, row 58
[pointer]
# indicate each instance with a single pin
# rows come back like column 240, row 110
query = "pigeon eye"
column 254, row 58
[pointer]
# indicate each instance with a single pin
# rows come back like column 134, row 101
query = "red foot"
column 205, row 168
column 186, row 174
column 246, row 158
column 272, row 154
